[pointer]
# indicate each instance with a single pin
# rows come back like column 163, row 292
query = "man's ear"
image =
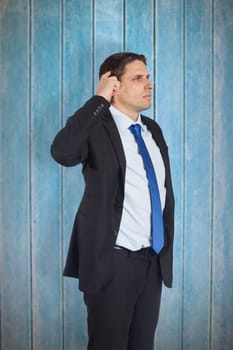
column 116, row 92
column 115, row 96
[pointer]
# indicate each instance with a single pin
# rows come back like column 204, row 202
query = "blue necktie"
column 156, row 210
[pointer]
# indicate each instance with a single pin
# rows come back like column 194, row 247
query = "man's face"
column 134, row 93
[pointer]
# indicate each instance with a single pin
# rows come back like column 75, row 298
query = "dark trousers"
column 124, row 315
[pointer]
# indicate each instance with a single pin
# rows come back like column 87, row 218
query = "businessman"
column 122, row 240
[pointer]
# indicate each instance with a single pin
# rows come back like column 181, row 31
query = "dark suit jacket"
column 91, row 137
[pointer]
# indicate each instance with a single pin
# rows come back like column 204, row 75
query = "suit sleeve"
column 70, row 145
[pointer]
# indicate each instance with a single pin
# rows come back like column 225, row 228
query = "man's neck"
column 131, row 114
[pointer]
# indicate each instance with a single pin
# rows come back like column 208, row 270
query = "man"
column 121, row 246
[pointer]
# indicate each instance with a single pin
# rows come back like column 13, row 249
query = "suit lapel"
column 114, row 136
column 157, row 136
column 115, row 139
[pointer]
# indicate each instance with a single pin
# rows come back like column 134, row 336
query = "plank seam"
column 62, row 178
column 183, row 170
column 30, row 172
column 212, row 185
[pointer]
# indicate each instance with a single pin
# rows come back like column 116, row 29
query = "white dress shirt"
column 135, row 227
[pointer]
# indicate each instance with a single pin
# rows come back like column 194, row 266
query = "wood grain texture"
column 15, row 267
column 50, row 55
column 222, row 277
column 169, row 109
column 140, row 36
column 45, row 177
column 77, row 87
column 198, row 173
column 108, row 31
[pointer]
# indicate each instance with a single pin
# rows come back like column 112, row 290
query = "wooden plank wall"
column 50, row 53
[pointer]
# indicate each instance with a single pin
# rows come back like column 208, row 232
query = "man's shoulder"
column 151, row 123
column 155, row 129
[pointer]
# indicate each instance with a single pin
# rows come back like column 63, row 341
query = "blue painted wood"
column 139, row 34
column 77, row 87
column 222, row 277
column 108, row 31
column 170, row 115
column 45, row 77
column 14, row 177
column 198, row 173
column 45, row 176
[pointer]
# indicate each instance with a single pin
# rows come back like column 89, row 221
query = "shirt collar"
column 122, row 121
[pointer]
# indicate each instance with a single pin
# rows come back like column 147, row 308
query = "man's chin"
column 148, row 106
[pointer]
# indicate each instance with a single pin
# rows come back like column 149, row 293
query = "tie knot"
column 135, row 129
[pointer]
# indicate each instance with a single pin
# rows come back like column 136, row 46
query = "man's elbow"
column 63, row 159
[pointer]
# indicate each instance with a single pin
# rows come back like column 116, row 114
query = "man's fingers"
column 105, row 75
column 108, row 75
column 108, row 86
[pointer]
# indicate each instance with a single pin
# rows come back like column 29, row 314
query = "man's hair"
column 116, row 63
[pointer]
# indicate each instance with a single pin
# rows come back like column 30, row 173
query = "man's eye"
column 138, row 77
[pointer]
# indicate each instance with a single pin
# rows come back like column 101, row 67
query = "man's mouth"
column 147, row 97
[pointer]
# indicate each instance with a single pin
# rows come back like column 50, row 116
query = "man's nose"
column 149, row 84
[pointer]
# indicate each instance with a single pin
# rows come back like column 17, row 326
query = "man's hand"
column 108, row 86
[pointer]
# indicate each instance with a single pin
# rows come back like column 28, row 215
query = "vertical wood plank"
column 41, row 310
column 45, row 181
column 139, row 28
column 222, row 305
column 139, row 34
column 14, row 177
column 169, row 113
column 77, row 88
column 198, row 173
column 108, row 31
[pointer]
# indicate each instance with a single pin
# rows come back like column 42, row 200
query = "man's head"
column 125, row 82
column 116, row 63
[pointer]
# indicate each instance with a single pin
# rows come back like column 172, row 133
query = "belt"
column 141, row 253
